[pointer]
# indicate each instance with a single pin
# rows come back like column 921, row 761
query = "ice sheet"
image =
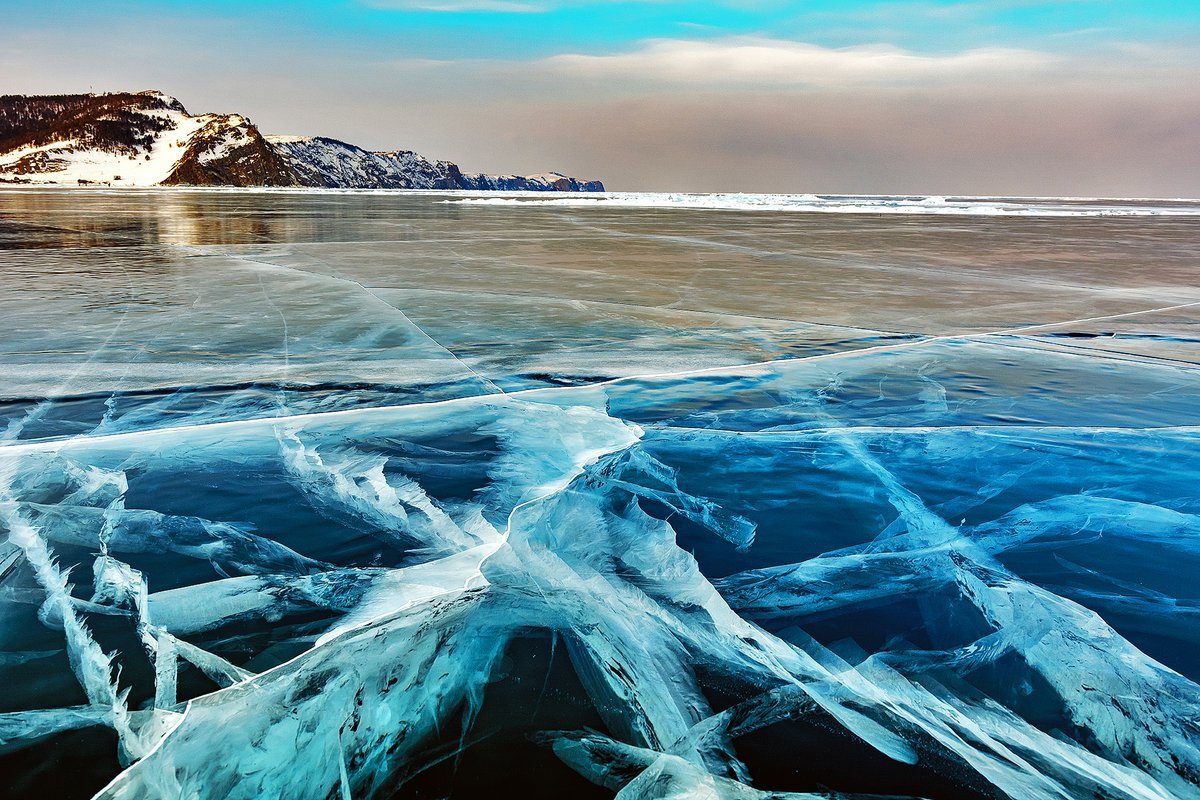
column 372, row 495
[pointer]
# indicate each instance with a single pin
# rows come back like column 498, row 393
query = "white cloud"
column 502, row 6
column 781, row 63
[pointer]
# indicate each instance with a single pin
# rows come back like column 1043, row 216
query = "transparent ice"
column 369, row 496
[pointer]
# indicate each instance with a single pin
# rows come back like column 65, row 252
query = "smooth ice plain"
column 370, row 495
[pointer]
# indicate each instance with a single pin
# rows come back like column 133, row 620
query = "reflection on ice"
column 379, row 497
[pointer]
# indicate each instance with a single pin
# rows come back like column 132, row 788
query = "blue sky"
column 943, row 96
column 529, row 28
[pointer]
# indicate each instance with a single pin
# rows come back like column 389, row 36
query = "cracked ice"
column 380, row 504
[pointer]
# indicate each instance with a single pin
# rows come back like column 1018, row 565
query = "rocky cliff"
column 149, row 138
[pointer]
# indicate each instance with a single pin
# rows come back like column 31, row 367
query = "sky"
column 984, row 97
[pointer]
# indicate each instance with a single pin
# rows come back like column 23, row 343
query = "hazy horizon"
column 1009, row 97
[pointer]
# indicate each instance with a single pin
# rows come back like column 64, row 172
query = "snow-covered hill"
column 149, row 138
column 318, row 161
column 139, row 139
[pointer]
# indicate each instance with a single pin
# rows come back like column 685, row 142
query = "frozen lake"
column 372, row 495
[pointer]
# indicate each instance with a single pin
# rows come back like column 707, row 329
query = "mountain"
column 149, row 139
column 320, row 161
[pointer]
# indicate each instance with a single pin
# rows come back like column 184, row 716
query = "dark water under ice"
column 378, row 495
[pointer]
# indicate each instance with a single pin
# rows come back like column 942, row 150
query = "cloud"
column 498, row 6
column 495, row 6
column 685, row 113
column 1109, row 141
column 781, row 63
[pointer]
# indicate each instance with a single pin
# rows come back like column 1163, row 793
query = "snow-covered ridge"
column 861, row 204
column 322, row 162
column 71, row 161
column 149, row 139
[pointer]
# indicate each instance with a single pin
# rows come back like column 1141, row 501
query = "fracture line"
column 57, row 444
column 847, row 261
column 1099, row 353
column 672, row 309
column 928, row 429
column 378, row 299
column 15, row 427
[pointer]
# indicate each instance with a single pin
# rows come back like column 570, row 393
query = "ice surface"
column 373, row 495
column 851, row 204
